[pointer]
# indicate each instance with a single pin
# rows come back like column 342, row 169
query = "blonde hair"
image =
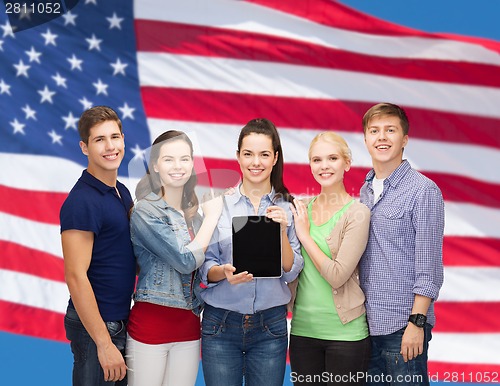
column 336, row 139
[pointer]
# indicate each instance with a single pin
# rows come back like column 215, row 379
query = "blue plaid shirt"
column 403, row 256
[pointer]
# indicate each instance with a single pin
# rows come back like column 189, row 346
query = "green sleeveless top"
column 314, row 313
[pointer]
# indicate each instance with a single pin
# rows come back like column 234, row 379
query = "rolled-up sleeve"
column 197, row 251
column 428, row 220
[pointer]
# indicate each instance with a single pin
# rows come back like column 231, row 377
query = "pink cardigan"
column 347, row 243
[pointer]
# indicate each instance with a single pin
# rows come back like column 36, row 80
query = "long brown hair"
column 266, row 127
column 151, row 181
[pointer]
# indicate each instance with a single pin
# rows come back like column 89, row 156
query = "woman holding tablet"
column 169, row 238
column 329, row 332
column 244, row 327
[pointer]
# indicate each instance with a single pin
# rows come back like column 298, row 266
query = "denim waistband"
column 72, row 314
column 236, row 317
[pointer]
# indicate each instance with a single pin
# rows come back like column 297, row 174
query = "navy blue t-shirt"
column 96, row 207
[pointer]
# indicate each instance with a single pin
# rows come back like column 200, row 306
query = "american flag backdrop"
column 209, row 66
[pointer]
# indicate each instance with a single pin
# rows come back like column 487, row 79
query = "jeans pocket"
column 115, row 328
column 402, row 373
column 276, row 328
column 118, row 334
column 210, row 327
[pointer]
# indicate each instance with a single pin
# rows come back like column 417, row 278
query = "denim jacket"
column 160, row 237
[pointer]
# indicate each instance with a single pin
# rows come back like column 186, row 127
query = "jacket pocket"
column 159, row 272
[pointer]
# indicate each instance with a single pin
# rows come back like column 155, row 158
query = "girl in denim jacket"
column 169, row 239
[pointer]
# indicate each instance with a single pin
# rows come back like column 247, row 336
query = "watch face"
column 420, row 322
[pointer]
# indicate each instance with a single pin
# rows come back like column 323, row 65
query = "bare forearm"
column 205, row 232
column 421, row 305
column 216, row 274
column 85, row 303
column 286, row 253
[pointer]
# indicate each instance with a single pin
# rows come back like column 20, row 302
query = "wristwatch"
column 418, row 320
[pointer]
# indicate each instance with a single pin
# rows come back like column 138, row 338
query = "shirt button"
column 338, row 306
column 328, row 238
column 335, row 292
column 344, row 319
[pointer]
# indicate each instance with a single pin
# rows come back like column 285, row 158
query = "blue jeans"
column 236, row 346
column 387, row 366
column 87, row 370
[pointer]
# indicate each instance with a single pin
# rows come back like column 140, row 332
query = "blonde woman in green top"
column 329, row 341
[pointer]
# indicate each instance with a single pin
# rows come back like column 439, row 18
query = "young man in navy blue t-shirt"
column 99, row 262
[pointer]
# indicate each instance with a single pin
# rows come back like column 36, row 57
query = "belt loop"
column 224, row 317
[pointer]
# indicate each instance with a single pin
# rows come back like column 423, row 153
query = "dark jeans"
column 236, row 346
column 87, row 370
column 387, row 366
column 328, row 362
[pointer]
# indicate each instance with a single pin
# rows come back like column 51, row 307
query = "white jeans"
column 169, row 364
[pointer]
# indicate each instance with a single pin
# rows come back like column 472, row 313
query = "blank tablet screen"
column 257, row 246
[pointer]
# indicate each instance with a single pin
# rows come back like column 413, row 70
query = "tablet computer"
column 256, row 246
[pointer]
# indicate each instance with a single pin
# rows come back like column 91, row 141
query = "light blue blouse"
column 261, row 293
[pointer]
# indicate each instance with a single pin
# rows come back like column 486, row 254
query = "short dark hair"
column 387, row 109
column 94, row 116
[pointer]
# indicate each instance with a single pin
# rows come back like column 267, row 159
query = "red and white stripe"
column 309, row 67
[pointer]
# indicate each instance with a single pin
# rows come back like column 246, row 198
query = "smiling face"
column 327, row 163
column 174, row 164
column 105, row 149
column 385, row 140
column 257, row 158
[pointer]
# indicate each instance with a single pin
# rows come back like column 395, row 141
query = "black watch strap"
column 418, row 319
